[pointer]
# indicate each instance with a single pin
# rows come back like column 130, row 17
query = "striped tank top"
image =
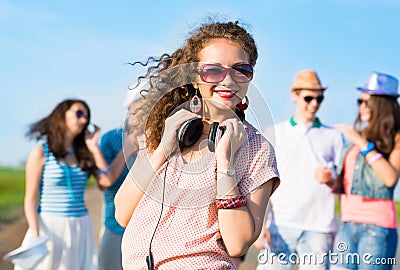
column 57, row 196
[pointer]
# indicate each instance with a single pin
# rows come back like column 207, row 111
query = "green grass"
column 12, row 190
column 12, row 186
column 398, row 211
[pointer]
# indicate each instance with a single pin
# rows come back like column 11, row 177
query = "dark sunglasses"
column 308, row 99
column 80, row 113
column 212, row 73
column 361, row 101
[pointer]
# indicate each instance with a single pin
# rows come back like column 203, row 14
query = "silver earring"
column 195, row 103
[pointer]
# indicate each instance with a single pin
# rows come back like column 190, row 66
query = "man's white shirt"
column 301, row 201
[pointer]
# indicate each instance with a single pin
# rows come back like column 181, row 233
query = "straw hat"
column 380, row 84
column 307, row 80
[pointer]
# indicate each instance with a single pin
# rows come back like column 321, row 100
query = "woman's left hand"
column 233, row 137
column 92, row 138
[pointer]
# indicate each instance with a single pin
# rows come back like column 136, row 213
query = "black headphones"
column 190, row 132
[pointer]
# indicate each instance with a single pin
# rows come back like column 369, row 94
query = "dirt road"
column 11, row 235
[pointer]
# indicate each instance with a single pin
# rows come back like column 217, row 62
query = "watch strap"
column 229, row 171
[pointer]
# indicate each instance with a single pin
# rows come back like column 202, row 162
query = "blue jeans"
column 290, row 246
column 364, row 246
column 110, row 256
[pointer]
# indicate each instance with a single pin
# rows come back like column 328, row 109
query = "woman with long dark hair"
column 58, row 170
column 368, row 173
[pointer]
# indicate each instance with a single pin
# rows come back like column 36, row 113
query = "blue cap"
column 380, row 84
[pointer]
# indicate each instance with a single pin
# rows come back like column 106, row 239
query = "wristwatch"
column 230, row 171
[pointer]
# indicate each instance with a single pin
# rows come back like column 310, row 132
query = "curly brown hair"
column 384, row 123
column 171, row 77
column 52, row 128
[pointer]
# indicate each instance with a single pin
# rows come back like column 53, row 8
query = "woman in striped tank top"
column 58, row 170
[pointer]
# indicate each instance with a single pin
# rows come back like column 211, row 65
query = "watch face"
column 230, row 171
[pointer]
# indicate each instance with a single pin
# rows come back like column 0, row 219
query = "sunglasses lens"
column 361, row 101
column 212, row 73
column 79, row 113
column 308, row 99
column 242, row 73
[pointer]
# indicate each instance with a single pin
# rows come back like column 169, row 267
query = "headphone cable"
column 149, row 258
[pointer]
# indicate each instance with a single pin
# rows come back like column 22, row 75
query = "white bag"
column 28, row 255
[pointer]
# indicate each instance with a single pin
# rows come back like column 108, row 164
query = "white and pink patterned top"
column 188, row 235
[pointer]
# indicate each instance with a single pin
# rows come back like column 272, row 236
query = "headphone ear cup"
column 212, row 136
column 190, row 132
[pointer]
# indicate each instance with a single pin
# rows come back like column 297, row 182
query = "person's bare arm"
column 104, row 176
column 135, row 184
column 264, row 235
column 240, row 227
column 33, row 178
column 386, row 169
column 120, row 161
column 144, row 168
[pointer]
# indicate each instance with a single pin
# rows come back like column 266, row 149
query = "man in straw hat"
column 302, row 209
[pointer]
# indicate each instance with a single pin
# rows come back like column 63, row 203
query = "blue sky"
column 52, row 50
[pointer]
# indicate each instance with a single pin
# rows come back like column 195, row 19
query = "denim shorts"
column 364, row 246
column 291, row 246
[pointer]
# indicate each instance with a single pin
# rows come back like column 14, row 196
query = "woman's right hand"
column 172, row 124
column 92, row 139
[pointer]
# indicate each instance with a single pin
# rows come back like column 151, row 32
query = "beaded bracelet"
column 231, row 203
column 224, row 197
column 374, row 158
column 105, row 171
